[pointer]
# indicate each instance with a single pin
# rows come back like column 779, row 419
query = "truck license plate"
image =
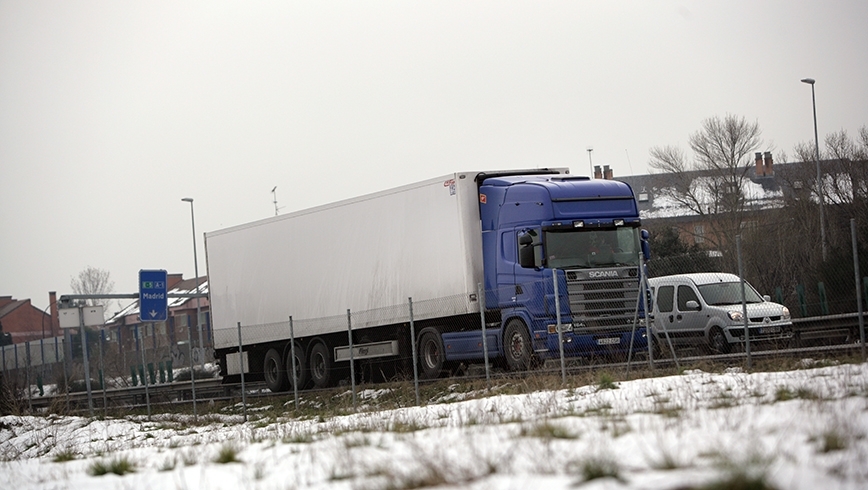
column 609, row 341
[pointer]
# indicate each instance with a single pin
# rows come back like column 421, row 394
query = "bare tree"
column 712, row 183
column 93, row 281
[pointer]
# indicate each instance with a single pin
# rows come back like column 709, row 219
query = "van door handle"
column 670, row 318
column 678, row 317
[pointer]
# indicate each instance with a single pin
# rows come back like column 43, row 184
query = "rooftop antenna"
column 276, row 209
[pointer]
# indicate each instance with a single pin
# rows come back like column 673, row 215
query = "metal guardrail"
column 843, row 327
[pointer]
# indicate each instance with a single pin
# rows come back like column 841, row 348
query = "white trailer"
column 365, row 255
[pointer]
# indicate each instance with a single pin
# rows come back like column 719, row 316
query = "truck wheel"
column 717, row 341
column 432, row 356
column 300, row 367
column 517, row 346
column 275, row 375
column 321, row 366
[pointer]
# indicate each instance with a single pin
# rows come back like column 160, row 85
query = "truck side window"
column 685, row 294
column 665, row 295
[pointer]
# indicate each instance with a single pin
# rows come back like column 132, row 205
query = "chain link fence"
column 757, row 298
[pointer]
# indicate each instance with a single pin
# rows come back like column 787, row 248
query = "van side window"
column 665, row 295
column 685, row 294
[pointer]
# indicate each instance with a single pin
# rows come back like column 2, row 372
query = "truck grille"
column 603, row 299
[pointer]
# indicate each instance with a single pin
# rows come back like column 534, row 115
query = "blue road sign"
column 153, row 302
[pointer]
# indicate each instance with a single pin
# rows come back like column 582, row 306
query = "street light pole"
column 196, row 271
column 591, row 161
column 821, row 193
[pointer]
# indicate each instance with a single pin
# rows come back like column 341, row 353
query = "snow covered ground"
column 802, row 429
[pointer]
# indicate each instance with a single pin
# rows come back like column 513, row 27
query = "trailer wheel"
column 300, row 367
column 717, row 341
column 275, row 375
column 321, row 365
column 517, row 346
column 431, row 353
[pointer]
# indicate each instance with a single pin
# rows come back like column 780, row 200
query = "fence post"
column 480, row 292
column 856, row 275
column 413, row 350
column 102, row 373
column 27, row 360
column 86, row 362
column 649, row 334
column 636, row 322
column 292, row 361
column 241, row 363
column 352, row 364
column 41, row 375
column 743, row 302
column 192, row 370
column 558, row 325
column 142, row 373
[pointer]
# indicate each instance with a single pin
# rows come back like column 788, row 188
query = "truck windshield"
column 588, row 248
column 728, row 293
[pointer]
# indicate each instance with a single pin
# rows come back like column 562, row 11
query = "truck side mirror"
column 526, row 251
column 526, row 256
column 646, row 249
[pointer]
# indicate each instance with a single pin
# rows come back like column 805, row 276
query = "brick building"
column 21, row 322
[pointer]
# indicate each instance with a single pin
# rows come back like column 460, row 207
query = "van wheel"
column 517, row 346
column 431, row 353
column 275, row 375
column 300, row 368
column 717, row 341
column 321, row 365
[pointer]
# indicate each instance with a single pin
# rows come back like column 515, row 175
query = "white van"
column 705, row 309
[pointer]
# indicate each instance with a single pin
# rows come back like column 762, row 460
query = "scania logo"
column 599, row 274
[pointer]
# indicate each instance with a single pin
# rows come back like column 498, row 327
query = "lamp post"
column 811, row 82
column 196, row 271
column 591, row 161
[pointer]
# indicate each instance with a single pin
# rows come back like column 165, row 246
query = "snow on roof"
column 662, row 205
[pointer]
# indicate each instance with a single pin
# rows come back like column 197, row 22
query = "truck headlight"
column 785, row 313
column 735, row 316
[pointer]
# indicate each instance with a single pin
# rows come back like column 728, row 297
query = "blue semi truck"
column 431, row 263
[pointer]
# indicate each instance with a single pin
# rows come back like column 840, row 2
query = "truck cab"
column 586, row 234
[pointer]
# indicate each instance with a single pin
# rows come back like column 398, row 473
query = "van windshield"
column 592, row 248
column 728, row 293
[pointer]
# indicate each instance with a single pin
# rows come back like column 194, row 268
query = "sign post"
column 153, row 303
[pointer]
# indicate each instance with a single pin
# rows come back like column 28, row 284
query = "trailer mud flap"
column 367, row 351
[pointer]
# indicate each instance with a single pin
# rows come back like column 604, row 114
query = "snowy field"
column 802, row 429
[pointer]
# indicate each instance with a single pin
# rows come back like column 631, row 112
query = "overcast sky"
column 111, row 112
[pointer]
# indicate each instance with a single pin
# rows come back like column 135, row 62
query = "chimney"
column 767, row 156
column 597, row 173
column 172, row 280
column 607, row 172
column 760, row 170
column 55, row 318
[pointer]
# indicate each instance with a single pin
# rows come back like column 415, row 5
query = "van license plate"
column 770, row 330
column 609, row 341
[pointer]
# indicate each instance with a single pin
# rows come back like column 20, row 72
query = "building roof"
column 11, row 306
